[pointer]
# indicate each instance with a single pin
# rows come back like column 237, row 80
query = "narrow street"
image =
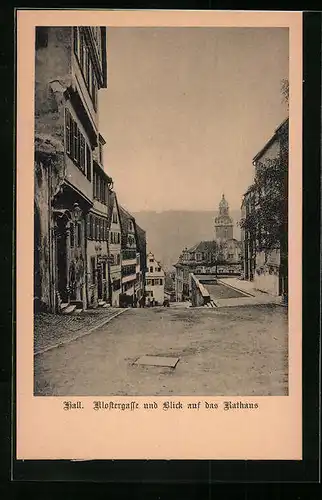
column 225, row 351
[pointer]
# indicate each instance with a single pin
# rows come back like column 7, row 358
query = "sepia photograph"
column 161, row 211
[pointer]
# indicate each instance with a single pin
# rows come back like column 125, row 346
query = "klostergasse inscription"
column 163, row 405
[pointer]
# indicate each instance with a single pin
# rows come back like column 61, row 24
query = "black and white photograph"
column 161, row 211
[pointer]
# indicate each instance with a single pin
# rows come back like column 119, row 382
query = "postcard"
column 159, row 245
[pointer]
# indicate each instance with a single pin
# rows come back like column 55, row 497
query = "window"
column 161, row 281
column 100, row 149
column 151, row 260
column 118, row 259
column 88, row 227
column 151, row 269
column 79, row 234
column 158, row 269
column 88, row 163
column 72, row 235
column 82, row 152
column 93, row 271
column 114, row 218
column 67, row 131
column 152, row 282
column 97, row 228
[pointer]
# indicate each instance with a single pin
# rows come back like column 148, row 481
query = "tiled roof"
column 204, row 246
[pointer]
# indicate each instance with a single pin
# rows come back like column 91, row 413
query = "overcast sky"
column 187, row 109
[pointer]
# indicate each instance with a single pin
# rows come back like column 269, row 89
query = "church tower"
column 223, row 222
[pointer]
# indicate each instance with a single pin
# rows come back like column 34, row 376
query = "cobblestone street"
column 227, row 351
column 53, row 329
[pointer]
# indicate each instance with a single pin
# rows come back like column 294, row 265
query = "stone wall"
column 199, row 296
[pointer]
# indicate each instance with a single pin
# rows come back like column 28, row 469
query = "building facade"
column 266, row 266
column 154, row 280
column 115, row 250
column 128, row 256
column 140, row 264
column 70, row 68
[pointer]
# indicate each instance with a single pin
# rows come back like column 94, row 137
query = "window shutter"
column 88, row 163
column 88, row 226
column 67, row 131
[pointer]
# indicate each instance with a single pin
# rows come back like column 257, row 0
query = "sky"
column 186, row 110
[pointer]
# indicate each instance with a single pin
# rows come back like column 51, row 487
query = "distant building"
column 114, row 250
column 266, row 267
column 128, row 254
column 140, row 262
column 220, row 256
column 154, row 280
column 224, row 225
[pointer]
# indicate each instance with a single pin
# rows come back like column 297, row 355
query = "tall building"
column 128, row 255
column 71, row 186
column 223, row 222
column 267, row 265
column 114, row 249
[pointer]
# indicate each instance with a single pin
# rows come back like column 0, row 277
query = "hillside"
column 169, row 232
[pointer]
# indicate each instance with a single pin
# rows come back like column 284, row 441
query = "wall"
column 41, row 238
column 153, row 273
column 266, row 276
column 198, row 293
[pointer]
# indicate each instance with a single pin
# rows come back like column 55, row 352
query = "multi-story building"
column 70, row 68
column 115, row 249
column 266, row 265
column 98, row 290
column 140, row 262
column 128, row 255
column 154, row 280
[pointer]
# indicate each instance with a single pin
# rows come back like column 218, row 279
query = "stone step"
column 101, row 303
column 77, row 311
column 63, row 305
column 106, row 305
column 69, row 309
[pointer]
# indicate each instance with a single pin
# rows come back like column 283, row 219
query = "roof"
column 125, row 217
column 140, row 239
column 203, row 246
column 112, row 200
column 271, row 140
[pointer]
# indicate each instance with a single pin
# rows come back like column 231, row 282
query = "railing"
column 199, row 296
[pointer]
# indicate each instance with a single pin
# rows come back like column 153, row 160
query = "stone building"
column 128, row 255
column 266, row 267
column 154, row 280
column 70, row 68
column 98, row 290
column 140, row 262
column 223, row 222
column 114, row 249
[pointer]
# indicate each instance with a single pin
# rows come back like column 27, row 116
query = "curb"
column 247, row 294
column 68, row 341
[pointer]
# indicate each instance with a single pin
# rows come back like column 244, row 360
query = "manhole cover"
column 157, row 361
